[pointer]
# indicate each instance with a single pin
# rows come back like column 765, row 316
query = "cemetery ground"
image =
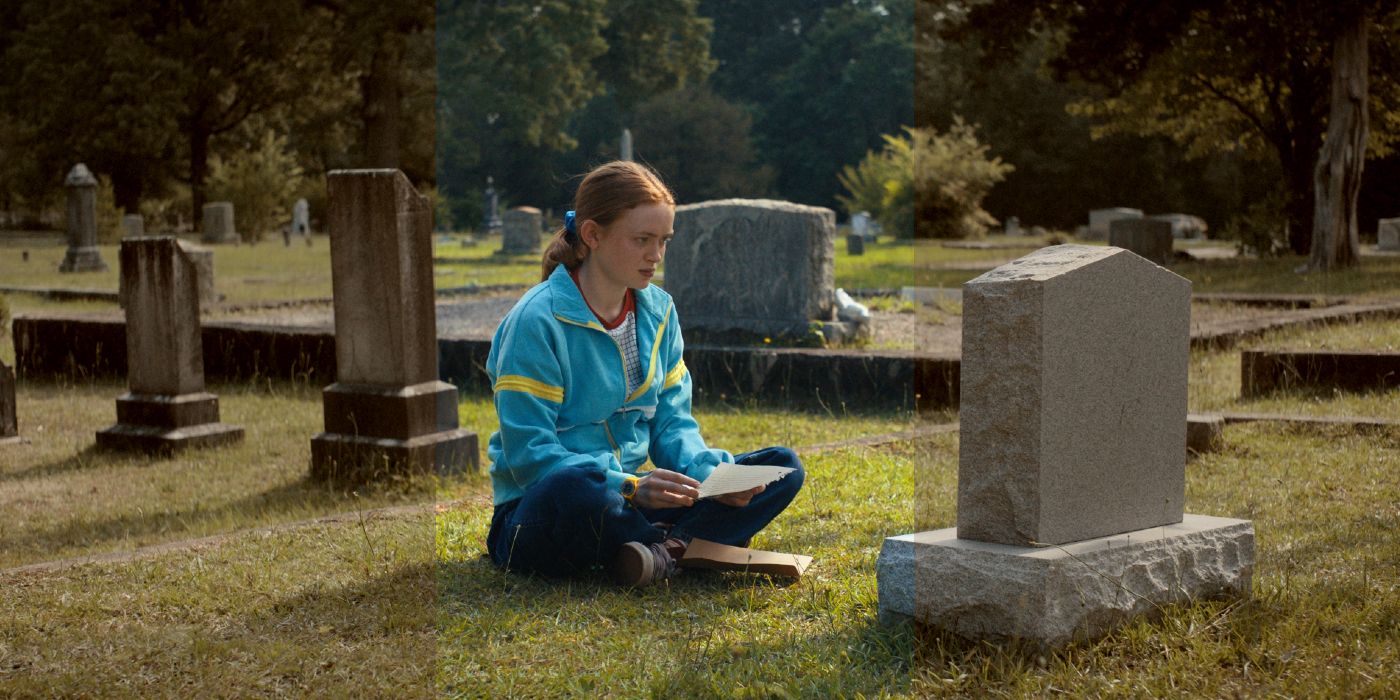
column 227, row 572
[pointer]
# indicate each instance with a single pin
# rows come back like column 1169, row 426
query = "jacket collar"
column 568, row 302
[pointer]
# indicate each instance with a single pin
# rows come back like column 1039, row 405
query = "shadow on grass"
column 81, row 461
column 288, row 502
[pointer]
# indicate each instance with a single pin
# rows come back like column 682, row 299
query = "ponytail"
column 564, row 249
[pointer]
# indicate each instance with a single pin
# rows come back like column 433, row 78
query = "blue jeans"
column 570, row 521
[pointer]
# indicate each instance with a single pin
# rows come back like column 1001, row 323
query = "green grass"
column 405, row 605
column 1375, row 277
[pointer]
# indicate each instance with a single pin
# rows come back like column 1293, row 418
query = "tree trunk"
column 1337, row 179
column 199, row 171
column 383, row 104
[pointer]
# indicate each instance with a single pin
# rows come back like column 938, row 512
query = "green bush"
column 926, row 183
column 261, row 183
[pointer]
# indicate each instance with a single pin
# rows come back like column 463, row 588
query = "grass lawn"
column 402, row 603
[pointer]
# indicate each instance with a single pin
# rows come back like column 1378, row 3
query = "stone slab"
column 1388, row 235
column 855, row 244
column 155, row 440
column 1053, row 596
column 1263, row 372
column 342, row 458
column 85, row 259
column 714, row 253
column 1150, row 238
column 1073, row 414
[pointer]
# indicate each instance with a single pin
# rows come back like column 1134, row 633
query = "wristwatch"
column 629, row 487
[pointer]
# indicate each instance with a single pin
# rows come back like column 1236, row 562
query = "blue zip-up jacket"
column 561, row 393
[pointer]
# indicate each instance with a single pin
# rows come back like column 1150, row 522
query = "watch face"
column 629, row 487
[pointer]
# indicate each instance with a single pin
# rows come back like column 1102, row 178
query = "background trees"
column 1246, row 78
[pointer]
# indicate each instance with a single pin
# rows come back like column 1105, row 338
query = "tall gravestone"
column 491, row 222
column 387, row 413
column 82, row 254
column 523, row 227
column 166, row 406
column 218, row 224
column 1100, row 219
column 1388, row 234
column 779, row 253
column 1071, row 475
column 625, row 148
column 9, row 420
column 1150, row 238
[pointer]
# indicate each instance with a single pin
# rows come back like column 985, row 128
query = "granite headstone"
column 1071, row 475
column 523, row 227
column 1388, row 234
column 1150, row 238
column 1099, row 220
column 9, row 421
column 779, row 253
column 218, row 226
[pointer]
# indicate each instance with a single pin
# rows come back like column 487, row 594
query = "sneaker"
column 638, row 564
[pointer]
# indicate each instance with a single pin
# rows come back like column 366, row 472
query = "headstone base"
column 162, row 424
column 374, row 431
column 87, row 259
column 1052, row 596
column 355, row 458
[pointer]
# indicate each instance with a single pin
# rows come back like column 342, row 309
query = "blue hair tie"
column 569, row 221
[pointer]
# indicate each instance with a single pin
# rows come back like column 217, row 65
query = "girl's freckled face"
column 629, row 250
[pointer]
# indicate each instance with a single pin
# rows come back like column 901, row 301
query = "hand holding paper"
column 732, row 478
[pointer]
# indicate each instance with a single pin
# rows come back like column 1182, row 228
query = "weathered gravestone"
column 779, row 254
column 166, row 406
column 133, row 225
column 9, row 421
column 1099, row 220
column 523, row 228
column 1013, row 227
column 1152, row 239
column 387, row 413
column 203, row 260
column 1388, row 234
column 82, row 254
column 218, row 224
column 1071, row 475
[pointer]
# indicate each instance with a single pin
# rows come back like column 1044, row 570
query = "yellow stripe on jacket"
column 675, row 376
column 534, row 387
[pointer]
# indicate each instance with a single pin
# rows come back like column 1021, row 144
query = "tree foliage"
column 261, row 182
column 699, row 142
column 1250, row 78
column 926, row 184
